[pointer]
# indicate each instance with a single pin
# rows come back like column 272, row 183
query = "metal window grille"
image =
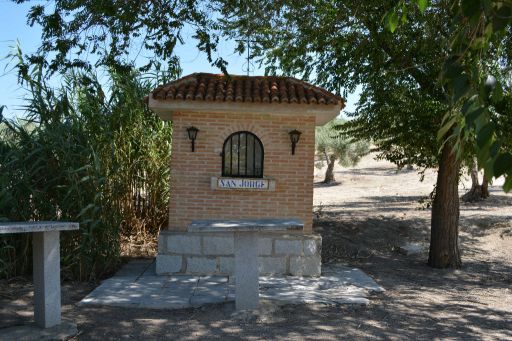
column 242, row 156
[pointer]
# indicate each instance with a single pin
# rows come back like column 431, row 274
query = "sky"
column 14, row 28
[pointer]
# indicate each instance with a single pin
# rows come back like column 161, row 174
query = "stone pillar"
column 246, row 271
column 46, row 253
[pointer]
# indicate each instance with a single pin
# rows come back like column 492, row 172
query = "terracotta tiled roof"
column 256, row 89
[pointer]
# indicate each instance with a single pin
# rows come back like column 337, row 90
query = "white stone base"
column 200, row 253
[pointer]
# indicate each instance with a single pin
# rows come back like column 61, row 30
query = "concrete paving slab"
column 134, row 268
column 214, row 290
column 348, row 275
column 183, row 279
column 210, row 290
column 206, row 280
column 130, row 296
column 166, row 300
column 197, row 301
column 150, row 270
column 339, row 285
column 153, row 281
column 108, row 291
column 173, row 295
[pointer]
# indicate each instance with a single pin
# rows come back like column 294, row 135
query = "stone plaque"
column 240, row 183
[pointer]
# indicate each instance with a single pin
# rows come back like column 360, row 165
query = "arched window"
column 242, row 156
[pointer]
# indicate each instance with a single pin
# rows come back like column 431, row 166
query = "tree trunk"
column 485, row 187
column 474, row 176
column 329, row 173
column 475, row 193
column 444, row 237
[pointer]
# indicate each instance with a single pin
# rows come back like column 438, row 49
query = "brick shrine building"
column 233, row 158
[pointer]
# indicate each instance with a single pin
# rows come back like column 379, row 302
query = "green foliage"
column 343, row 45
column 406, row 99
column 385, row 115
column 349, row 44
column 447, row 73
column 89, row 154
column 398, row 14
column 465, row 43
column 476, row 76
column 330, row 144
column 114, row 32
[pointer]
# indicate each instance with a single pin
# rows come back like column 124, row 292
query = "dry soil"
column 365, row 219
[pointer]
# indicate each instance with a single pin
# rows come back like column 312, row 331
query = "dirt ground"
column 364, row 220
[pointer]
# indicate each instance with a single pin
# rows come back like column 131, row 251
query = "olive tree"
column 331, row 147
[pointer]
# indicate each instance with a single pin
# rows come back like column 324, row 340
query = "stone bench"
column 246, row 233
column 46, row 259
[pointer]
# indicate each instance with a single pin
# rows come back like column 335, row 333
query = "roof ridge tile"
column 241, row 88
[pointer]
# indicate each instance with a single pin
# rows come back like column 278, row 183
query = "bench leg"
column 46, row 253
column 246, row 271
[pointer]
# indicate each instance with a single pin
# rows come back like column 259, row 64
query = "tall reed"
column 85, row 152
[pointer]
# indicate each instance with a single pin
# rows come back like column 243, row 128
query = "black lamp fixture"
column 192, row 134
column 294, row 137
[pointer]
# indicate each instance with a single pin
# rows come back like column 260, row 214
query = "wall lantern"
column 294, row 137
column 192, row 134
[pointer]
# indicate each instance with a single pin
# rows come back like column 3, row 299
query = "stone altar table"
column 46, row 259
column 246, row 251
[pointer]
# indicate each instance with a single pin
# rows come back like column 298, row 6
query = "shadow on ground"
column 383, row 320
column 420, row 303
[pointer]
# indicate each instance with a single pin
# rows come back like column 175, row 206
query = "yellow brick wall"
column 191, row 195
